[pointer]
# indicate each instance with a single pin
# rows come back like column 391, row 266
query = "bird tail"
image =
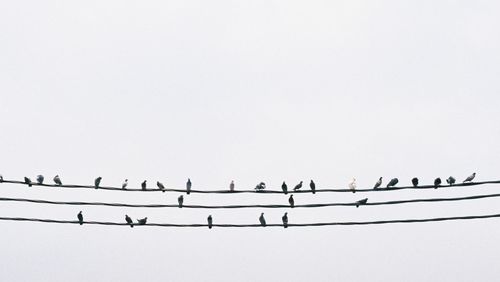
column 131, row 226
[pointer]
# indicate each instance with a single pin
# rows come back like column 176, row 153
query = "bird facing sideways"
column 129, row 220
column 284, row 188
column 160, row 186
column 188, row 186
column 298, row 186
column 97, row 182
column 437, row 182
column 80, row 217
column 291, row 201
column 57, row 180
column 125, row 184
column 392, row 183
column 262, row 220
column 143, row 185
column 378, row 184
column 142, row 221
column 470, row 178
column 27, row 181
column 285, row 220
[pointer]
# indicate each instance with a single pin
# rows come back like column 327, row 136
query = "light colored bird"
column 125, row 184
column 180, row 200
column 437, row 182
column 298, row 186
column 284, row 218
column 352, row 185
column 470, row 178
column 27, row 181
column 451, row 180
column 231, row 186
column 291, row 201
column 57, row 180
column 414, row 181
column 160, row 186
column 361, row 202
column 209, row 220
column 142, row 221
column 39, row 179
column 129, row 220
column 393, row 182
column 188, row 186
column 143, row 185
column 97, row 182
column 284, row 188
column 378, row 184
column 262, row 220
column 312, row 185
column 80, row 217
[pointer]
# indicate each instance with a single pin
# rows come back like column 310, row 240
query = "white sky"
column 251, row 91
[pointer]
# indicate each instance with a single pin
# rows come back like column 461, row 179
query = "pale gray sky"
column 251, row 91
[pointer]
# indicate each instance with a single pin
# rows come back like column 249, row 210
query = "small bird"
column 414, row 181
column 313, row 186
column 40, row 179
column 180, row 200
column 143, row 185
column 392, row 183
column 124, row 184
column 352, row 185
column 160, row 186
column 1, row 178
column 97, row 182
column 188, row 186
column 291, row 201
column 142, row 221
column 361, row 202
column 261, row 186
column 262, row 220
column 470, row 178
column 80, row 217
column 27, row 181
column 231, row 186
column 378, row 184
column 284, row 218
column 298, row 186
column 209, row 220
column 451, row 180
column 437, row 182
column 57, row 180
column 284, row 188
column 129, row 220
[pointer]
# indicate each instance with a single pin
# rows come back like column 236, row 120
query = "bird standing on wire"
column 209, row 220
column 312, row 185
column 188, row 186
column 298, row 186
column 284, row 218
column 352, row 185
column 143, row 185
column 57, row 180
column 142, row 221
column 361, row 202
column 129, row 220
column 80, row 217
column 231, row 186
column 378, row 184
column 180, row 200
column 437, row 182
column 125, row 184
column 27, row 181
column 284, row 188
column 1, row 178
column 291, row 201
column 392, row 183
column 414, row 181
column 97, row 182
column 470, row 178
column 261, row 186
column 39, row 179
column 160, row 186
column 262, row 220
column 451, row 180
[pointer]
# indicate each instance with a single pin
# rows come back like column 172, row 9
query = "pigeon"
column 129, row 220
column 392, row 183
column 124, row 184
column 188, row 186
column 284, row 218
column 470, row 178
column 27, row 181
column 39, row 179
column 451, row 180
column 231, row 186
column 80, row 218
column 142, row 221
column 284, row 188
column 1, row 178
column 143, row 185
column 209, row 220
column 414, row 181
column 291, row 201
column 160, row 186
column 313, row 186
column 180, row 200
column 262, row 220
column 97, row 182
column 298, row 186
column 361, row 202
column 352, row 185
column 378, row 184
column 261, row 186
column 437, row 182
column 57, row 180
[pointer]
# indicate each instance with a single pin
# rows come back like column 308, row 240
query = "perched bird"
column 97, row 182
column 352, row 185
column 57, row 180
column 261, row 186
column 180, row 200
column 284, row 218
column 209, row 220
column 262, row 220
column 27, row 181
column 470, row 178
column 124, row 184
column 298, row 186
column 437, row 182
column 80, row 217
column 378, row 184
column 160, row 186
column 188, row 186
column 40, row 179
column 392, row 183
column 1, row 178
column 284, row 188
column 291, row 201
column 313, row 186
column 142, row 221
column 143, row 185
column 129, row 220
column 361, row 202
column 231, row 186
column 451, row 180
column 414, row 181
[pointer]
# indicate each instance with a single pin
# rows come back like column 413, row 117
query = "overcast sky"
column 249, row 91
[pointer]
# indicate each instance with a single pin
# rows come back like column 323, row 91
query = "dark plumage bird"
column 27, row 181
column 284, row 188
column 291, row 201
column 124, row 184
column 129, row 220
column 180, row 200
column 1, row 178
column 378, row 184
column 414, row 181
column 451, row 180
column 188, row 186
column 262, row 220
column 437, row 182
column 143, row 185
column 40, row 179
column 231, row 186
column 160, row 186
column 57, row 180
column 97, row 182
column 470, row 178
column 261, row 186
column 142, row 221
column 312, row 185
column 80, row 217
column 361, row 202
column 298, row 186
column 284, row 218
column 209, row 220
column 392, row 183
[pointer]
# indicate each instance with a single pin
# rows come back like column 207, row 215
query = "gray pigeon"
column 57, row 180
column 451, row 180
column 125, row 184
column 291, row 201
column 470, row 178
column 298, row 186
column 97, row 182
column 361, row 202
column 437, row 182
column 313, row 186
column 261, row 186
column 188, row 186
column 209, row 220
column 1, row 178
column 27, row 181
column 285, row 220
column 142, row 221
column 262, row 220
column 284, row 188
column 143, row 185
column 160, row 186
column 392, row 183
column 39, row 179
column 414, row 181
column 379, row 182
column 231, row 186
column 80, row 218
column 180, row 200
column 129, row 220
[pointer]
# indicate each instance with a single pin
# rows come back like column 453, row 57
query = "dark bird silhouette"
column 470, row 178
column 180, row 200
column 80, row 217
column 57, row 180
column 142, row 221
column 361, row 202
column 284, row 188
column 1, row 178
column 97, row 182
column 40, row 179
column 291, row 201
column 284, row 218
column 129, row 220
column 188, row 186
column 231, row 186
column 160, row 186
column 261, row 186
column 262, row 220
column 451, row 180
column 124, row 184
column 437, row 182
column 143, row 185
column 414, row 181
column 392, row 183
column 298, row 186
column 27, row 181
column 312, row 185
column 378, row 184
column 209, row 220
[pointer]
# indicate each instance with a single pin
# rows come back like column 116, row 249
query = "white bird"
column 352, row 185
column 57, row 180
column 231, row 186
column 125, row 183
column 470, row 178
column 39, row 179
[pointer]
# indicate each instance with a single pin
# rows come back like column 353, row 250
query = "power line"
column 345, row 223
